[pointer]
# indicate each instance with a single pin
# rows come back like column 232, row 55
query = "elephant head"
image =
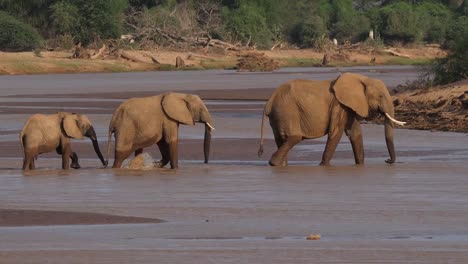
column 188, row 109
column 78, row 126
column 366, row 97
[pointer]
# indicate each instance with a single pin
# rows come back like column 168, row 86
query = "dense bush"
column 435, row 19
column 248, row 23
column 263, row 22
column 454, row 67
column 348, row 24
column 16, row 35
column 398, row 22
column 306, row 32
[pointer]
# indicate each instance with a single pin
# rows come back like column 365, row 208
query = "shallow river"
column 236, row 209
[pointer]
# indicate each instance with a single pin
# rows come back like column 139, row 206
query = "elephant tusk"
column 210, row 126
column 394, row 120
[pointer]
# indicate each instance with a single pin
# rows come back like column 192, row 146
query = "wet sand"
column 235, row 209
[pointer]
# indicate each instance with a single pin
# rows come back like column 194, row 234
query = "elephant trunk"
column 205, row 117
column 389, row 135
column 207, row 142
column 92, row 135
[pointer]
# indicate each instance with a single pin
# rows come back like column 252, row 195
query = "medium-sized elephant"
column 141, row 122
column 304, row 109
column 45, row 133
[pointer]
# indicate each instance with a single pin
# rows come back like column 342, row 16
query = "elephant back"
column 301, row 107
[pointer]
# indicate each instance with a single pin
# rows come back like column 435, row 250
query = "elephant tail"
column 109, row 138
column 260, row 148
column 22, row 139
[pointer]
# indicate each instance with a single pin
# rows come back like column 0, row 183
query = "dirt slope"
column 443, row 108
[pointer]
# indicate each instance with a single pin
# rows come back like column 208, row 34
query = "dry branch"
column 394, row 53
column 99, row 53
column 128, row 56
column 152, row 58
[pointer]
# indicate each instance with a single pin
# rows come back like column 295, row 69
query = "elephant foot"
column 160, row 164
column 276, row 163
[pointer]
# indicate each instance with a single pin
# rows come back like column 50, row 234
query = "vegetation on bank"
column 28, row 25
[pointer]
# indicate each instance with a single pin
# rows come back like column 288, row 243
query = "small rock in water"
column 314, row 237
column 144, row 161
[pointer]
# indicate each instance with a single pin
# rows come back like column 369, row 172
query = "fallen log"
column 128, row 56
column 153, row 59
column 394, row 53
column 99, row 53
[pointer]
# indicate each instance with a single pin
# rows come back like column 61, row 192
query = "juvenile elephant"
column 45, row 133
column 142, row 122
column 303, row 109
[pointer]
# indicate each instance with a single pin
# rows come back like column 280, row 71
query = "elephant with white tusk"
column 142, row 122
column 303, row 109
column 45, row 133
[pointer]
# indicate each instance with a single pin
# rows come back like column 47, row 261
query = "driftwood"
column 153, row 59
column 99, row 53
column 128, row 56
column 192, row 55
column 394, row 53
column 279, row 43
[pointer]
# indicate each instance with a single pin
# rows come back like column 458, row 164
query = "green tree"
column 398, row 22
column 65, row 17
column 435, row 19
column 454, row 67
column 16, row 35
column 347, row 23
column 32, row 12
column 248, row 22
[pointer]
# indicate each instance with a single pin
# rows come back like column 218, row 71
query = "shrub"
column 454, row 67
column 65, row 17
column 16, row 35
column 347, row 24
column 435, row 19
column 457, row 28
column 398, row 22
column 248, row 23
column 306, row 32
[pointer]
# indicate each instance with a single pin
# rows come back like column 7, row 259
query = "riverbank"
column 61, row 62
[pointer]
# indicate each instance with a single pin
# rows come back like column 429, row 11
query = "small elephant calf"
column 45, row 133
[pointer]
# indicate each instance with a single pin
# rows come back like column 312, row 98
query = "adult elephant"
column 303, row 109
column 141, row 122
column 45, row 133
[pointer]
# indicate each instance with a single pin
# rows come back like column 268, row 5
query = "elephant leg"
column 278, row 158
column 120, row 156
column 66, row 153
column 173, row 154
column 138, row 151
column 75, row 164
column 354, row 134
column 32, row 164
column 336, row 129
column 165, row 157
column 74, row 157
column 279, row 142
column 28, row 160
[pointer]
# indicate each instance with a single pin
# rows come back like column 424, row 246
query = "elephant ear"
column 349, row 90
column 176, row 107
column 70, row 125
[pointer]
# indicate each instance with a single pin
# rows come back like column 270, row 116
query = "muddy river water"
column 236, row 209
